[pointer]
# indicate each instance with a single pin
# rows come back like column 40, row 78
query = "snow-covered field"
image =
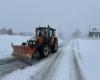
column 5, row 44
column 89, row 51
column 75, row 60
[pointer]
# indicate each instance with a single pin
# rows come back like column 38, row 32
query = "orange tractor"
column 44, row 43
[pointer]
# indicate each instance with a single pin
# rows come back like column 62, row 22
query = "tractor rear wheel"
column 54, row 48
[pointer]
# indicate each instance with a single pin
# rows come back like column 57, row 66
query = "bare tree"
column 3, row 30
column 10, row 31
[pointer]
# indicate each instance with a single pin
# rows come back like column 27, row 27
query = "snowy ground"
column 89, row 50
column 5, row 44
column 75, row 60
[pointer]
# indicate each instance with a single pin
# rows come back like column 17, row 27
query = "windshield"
column 41, row 32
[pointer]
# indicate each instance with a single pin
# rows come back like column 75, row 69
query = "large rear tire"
column 44, row 52
column 54, row 48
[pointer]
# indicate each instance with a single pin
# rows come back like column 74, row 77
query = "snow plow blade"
column 24, row 52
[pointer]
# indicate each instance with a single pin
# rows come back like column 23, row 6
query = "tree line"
column 8, row 31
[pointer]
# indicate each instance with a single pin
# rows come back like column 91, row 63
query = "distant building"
column 94, row 31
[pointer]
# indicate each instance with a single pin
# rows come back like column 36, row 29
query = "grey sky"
column 23, row 15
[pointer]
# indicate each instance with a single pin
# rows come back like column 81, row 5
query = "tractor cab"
column 45, row 31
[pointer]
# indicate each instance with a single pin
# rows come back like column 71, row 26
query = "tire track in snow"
column 75, row 67
column 76, row 73
column 7, row 60
column 8, row 66
column 53, row 67
column 44, row 72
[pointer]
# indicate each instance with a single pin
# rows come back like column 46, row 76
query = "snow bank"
column 5, row 44
column 89, row 54
column 90, row 51
column 61, row 43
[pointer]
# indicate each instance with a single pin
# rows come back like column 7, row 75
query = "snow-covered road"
column 8, row 66
column 62, row 65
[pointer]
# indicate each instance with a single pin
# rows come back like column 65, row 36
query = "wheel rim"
column 46, row 51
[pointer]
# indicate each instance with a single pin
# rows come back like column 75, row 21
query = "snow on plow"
column 23, row 51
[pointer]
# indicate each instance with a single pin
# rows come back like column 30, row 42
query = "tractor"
column 45, row 43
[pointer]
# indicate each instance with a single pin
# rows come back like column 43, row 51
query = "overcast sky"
column 23, row 15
